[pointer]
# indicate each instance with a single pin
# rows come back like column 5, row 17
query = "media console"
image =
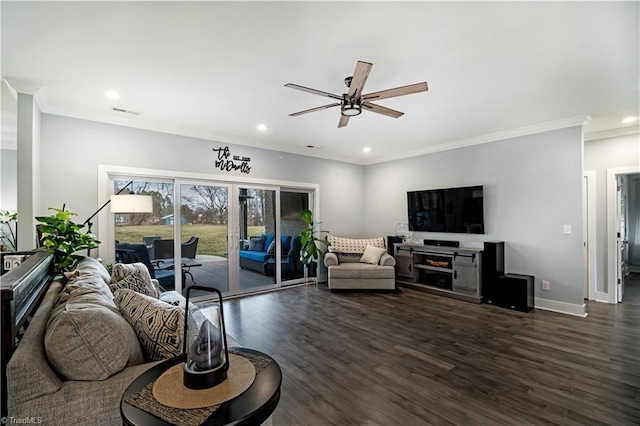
column 448, row 271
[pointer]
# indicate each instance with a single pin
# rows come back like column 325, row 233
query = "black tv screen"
column 458, row 210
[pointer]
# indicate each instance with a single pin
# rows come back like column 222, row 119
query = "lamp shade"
column 131, row 204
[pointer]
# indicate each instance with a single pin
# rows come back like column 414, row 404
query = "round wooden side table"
column 252, row 407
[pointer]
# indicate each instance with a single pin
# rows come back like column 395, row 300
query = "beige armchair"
column 359, row 264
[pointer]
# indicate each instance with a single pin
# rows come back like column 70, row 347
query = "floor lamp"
column 127, row 203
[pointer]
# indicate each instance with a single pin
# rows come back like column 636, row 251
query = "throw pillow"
column 173, row 298
column 271, row 251
column 133, row 276
column 158, row 325
column 372, row 255
column 256, row 244
column 86, row 337
column 353, row 245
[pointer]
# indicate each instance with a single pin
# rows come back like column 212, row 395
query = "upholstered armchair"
column 359, row 264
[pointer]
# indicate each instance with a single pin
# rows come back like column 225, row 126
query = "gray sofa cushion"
column 86, row 337
column 361, row 271
column 89, row 265
column 256, row 244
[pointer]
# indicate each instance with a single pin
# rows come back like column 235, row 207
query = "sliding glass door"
column 292, row 204
column 147, row 237
column 238, row 238
column 204, row 231
column 256, row 236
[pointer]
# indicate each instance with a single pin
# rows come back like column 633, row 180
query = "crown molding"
column 491, row 137
column 612, row 133
column 22, row 86
column 190, row 133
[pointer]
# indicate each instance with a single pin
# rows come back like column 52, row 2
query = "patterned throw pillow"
column 133, row 276
column 353, row 245
column 158, row 325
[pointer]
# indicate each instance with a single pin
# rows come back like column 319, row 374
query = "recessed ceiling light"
column 112, row 94
column 262, row 127
column 366, row 149
column 628, row 120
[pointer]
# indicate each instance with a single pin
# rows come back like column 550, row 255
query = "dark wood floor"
column 632, row 289
column 417, row 359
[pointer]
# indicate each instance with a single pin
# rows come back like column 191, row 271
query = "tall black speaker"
column 492, row 269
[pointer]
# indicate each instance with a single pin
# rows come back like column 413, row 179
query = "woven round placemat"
column 170, row 390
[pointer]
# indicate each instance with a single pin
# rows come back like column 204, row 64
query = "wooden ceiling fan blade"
column 381, row 110
column 398, row 91
column 295, row 114
column 360, row 76
column 344, row 120
column 314, row 91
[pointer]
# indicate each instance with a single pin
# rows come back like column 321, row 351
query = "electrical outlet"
column 545, row 285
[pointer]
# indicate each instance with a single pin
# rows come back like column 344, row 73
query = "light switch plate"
column 566, row 229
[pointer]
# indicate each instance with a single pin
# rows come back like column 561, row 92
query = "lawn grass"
column 212, row 238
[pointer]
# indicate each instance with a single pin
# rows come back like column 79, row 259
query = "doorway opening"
column 623, row 223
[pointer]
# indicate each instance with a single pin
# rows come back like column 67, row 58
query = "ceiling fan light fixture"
column 351, row 110
column 350, row 107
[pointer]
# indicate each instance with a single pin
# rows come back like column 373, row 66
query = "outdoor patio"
column 214, row 273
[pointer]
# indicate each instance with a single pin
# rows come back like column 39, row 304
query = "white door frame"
column 612, row 229
column 589, row 206
column 105, row 223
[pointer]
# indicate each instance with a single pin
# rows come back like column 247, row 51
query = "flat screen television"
column 458, row 210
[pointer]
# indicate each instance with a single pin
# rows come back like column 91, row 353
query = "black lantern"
column 205, row 340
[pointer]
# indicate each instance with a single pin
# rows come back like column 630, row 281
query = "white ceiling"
column 217, row 69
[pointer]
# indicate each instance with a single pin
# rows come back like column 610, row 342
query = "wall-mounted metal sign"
column 228, row 163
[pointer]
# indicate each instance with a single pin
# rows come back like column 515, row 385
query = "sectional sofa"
column 79, row 353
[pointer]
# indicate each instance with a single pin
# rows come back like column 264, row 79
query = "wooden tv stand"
column 447, row 271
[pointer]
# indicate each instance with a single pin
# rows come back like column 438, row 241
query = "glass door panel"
column 256, row 236
column 140, row 237
column 204, row 231
column 292, row 204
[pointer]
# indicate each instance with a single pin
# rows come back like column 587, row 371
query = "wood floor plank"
column 412, row 358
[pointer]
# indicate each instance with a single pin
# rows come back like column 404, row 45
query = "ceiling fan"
column 353, row 102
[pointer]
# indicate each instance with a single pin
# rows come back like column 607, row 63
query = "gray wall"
column 9, row 179
column 532, row 187
column 8, row 153
column 600, row 155
column 73, row 148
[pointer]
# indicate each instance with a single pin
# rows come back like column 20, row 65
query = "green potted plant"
column 313, row 244
column 65, row 237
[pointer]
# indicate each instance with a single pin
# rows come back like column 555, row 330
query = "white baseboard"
column 561, row 307
column 603, row 297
